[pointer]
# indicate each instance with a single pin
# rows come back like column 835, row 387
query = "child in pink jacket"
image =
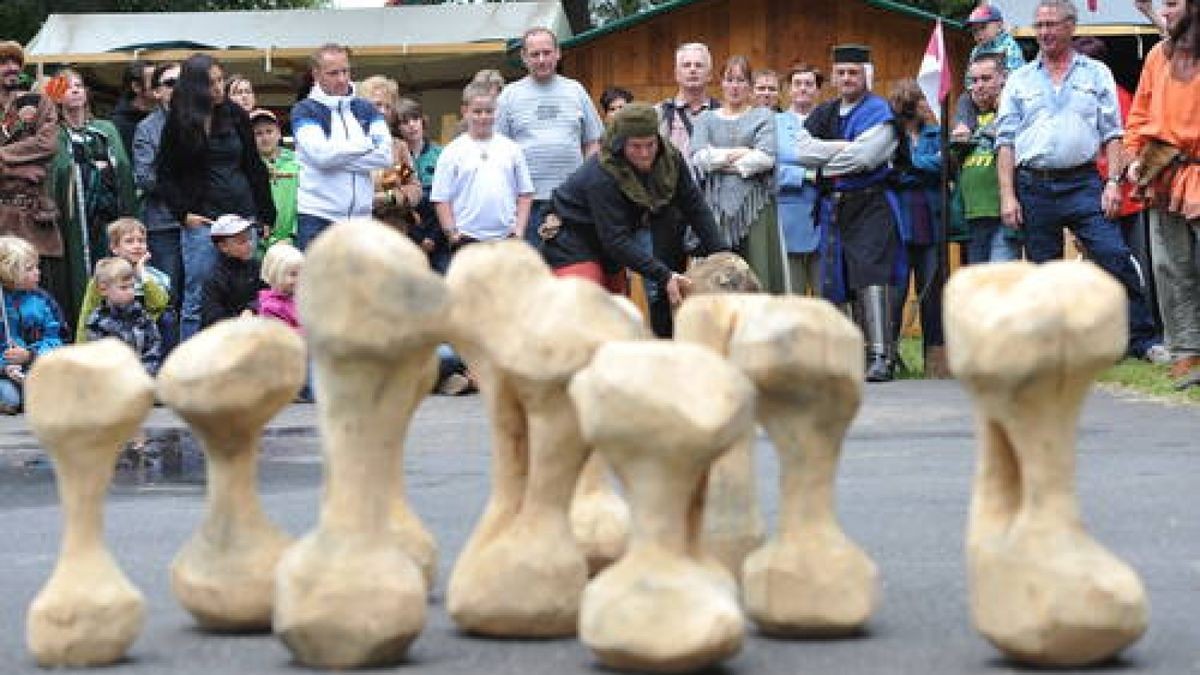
column 280, row 270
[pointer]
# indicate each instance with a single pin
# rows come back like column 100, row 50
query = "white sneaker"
column 1158, row 355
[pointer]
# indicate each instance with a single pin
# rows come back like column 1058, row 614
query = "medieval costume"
column 28, row 140
column 91, row 179
column 852, row 143
column 740, row 193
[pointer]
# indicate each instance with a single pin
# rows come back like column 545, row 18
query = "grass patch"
column 912, row 360
column 1132, row 374
column 1147, row 378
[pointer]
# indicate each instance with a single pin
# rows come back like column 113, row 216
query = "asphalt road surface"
column 903, row 492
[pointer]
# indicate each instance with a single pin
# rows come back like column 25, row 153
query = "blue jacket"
column 921, row 173
column 797, row 193
column 339, row 141
column 34, row 321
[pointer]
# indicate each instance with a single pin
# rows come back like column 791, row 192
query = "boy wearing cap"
column 235, row 281
column 284, row 171
column 482, row 189
column 987, row 26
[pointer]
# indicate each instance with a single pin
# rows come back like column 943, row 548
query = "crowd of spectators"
column 839, row 197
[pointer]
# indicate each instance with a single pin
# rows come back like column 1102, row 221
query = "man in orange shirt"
column 1164, row 121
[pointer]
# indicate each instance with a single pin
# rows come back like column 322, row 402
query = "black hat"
column 851, row 54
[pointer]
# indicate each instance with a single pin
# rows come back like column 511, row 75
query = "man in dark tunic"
column 852, row 140
column 626, row 209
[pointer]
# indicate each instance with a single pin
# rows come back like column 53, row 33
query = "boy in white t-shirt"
column 482, row 190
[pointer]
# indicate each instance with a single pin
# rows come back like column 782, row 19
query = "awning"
column 422, row 46
column 1112, row 17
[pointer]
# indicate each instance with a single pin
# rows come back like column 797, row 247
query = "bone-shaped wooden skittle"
column 349, row 594
column 1027, row 342
column 227, row 382
column 662, row 412
column 525, row 333
column 805, row 360
column 83, row 403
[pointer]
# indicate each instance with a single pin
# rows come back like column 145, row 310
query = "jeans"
column 1073, row 201
column 1135, row 229
column 1175, row 246
column 662, row 323
column 307, row 229
column 10, row 393
column 990, row 242
column 166, row 253
column 923, row 261
column 537, row 213
column 199, row 257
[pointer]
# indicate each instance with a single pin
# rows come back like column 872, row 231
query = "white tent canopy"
column 419, row 45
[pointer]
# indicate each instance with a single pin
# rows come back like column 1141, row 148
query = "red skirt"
column 616, row 283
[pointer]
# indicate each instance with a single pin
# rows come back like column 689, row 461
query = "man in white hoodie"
column 340, row 139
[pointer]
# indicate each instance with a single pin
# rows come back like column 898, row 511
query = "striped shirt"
column 551, row 122
column 1060, row 127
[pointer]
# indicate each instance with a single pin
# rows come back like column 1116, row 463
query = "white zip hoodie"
column 335, row 170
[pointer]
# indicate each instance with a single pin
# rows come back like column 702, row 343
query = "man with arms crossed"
column 340, row 139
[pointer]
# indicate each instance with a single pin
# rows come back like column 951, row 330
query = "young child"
column 121, row 315
column 234, row 284
column 481, row 187
column 32, row 322
column 280, row 271
column 285, row 176
column 151, row 286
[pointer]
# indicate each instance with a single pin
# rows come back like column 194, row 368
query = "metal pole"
column 943, row 268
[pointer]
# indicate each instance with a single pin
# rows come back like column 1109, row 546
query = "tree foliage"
column 21, row 19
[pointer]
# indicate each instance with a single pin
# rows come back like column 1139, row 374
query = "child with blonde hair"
column 121, row 315
column 280, row 271
column 151, row 286
column 31, row 321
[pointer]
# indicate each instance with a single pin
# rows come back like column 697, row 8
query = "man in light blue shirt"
column 1056, row 114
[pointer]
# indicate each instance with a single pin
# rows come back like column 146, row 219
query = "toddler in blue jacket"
column 31, row 324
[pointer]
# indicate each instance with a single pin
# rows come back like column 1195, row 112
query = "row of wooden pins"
column 565, row 369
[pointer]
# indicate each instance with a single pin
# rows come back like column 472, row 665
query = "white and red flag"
column 934, row 76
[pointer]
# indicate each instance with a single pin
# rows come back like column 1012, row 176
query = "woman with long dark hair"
column 1162, row 132
column 208, row 166
column 91, row 179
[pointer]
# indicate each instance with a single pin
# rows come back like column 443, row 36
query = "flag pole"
column 943, row 267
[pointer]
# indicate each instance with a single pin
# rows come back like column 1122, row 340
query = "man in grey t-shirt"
column 551, row 117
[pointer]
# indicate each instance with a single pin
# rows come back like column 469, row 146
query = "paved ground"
column 903, row 493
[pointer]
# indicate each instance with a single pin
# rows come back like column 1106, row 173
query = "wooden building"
column 638, row 52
